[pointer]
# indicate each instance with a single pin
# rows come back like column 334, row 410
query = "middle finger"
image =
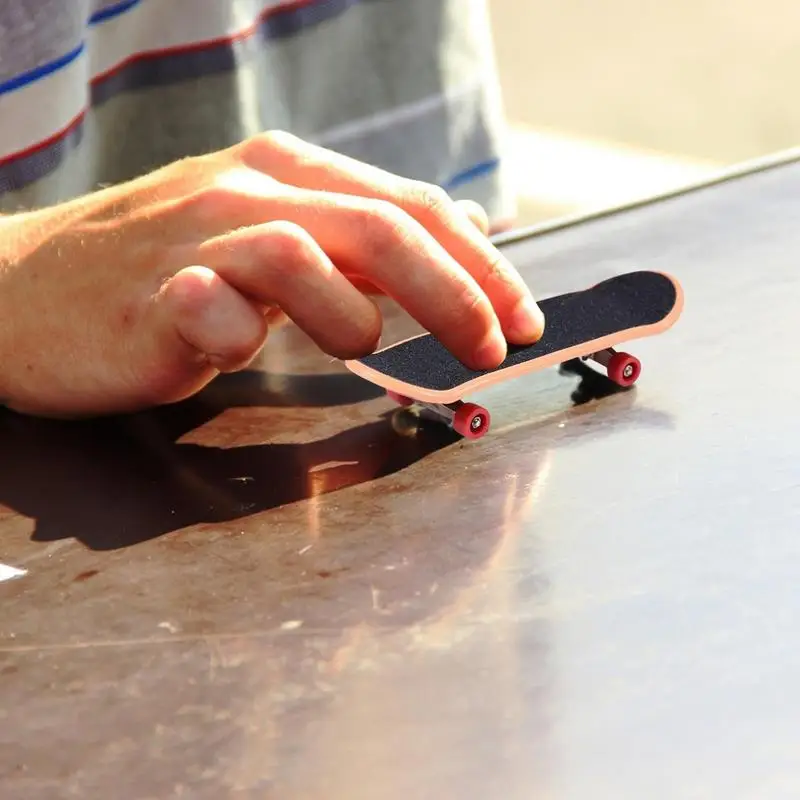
column 377, row 242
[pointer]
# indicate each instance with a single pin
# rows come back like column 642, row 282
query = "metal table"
column 284, row 588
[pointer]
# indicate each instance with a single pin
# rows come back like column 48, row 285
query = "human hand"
column 141, row 293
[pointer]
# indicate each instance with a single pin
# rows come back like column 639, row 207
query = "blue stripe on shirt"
column 471, row 173
column 33, row 75
column 276, row 23
column 109, row 12
column 42, row 71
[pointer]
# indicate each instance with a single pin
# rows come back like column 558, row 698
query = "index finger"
column 308, row 166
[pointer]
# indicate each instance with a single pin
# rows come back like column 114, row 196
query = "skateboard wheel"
column 400, row 399
column 624, row 369
column 471, row 421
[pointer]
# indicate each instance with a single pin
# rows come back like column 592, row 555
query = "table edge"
column 737, row 171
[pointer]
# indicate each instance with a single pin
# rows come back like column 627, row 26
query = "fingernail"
column 492, row 351
column 527, row 322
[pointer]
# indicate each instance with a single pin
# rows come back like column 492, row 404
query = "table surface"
column 286, row 588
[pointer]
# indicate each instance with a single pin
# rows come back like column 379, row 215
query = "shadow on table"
column 119, row 481
column 593, row 384
column 115, row 482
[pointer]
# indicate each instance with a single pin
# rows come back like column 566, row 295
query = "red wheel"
column 471, row 421
column 624, row 369
column 400, row 399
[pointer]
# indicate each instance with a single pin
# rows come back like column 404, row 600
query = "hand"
column 141, row 293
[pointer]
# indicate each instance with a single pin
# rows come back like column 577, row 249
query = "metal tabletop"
column 286, row 588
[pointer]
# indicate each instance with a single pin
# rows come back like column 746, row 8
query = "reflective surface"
column 284, row 588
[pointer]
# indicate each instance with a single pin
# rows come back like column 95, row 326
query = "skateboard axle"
column 602, row 357
column 441, row 411
column 466, row 419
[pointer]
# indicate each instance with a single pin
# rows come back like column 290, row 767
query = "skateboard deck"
column 584, row 324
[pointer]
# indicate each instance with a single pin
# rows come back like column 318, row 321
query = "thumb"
column 225, row 330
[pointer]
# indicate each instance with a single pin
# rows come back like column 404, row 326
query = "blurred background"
column 613, row 101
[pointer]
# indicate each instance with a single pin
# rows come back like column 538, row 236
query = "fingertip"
column 503, row 225
column 526, row 322
column 476, row 214
column 362, row 336
column 491, row 351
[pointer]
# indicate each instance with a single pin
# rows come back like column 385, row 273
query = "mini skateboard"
column 586, row 324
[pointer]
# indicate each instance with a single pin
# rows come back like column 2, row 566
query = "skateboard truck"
column 467, row 419
column 622, row 368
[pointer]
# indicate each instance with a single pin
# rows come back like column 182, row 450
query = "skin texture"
column 140, row 294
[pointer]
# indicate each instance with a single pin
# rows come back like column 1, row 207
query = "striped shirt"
column 94, row 92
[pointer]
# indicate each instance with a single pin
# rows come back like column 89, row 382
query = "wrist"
column 10, row 233
column 17, row 239
column 13, row 235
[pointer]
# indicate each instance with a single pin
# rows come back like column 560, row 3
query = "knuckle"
column 468, row 314
column 288, row 239
column 278, row 139
column 384, row 227
column 287, row 246
column 229, row 194
column 430, row 203
column 209, row 201
column 496, row 275
column 273, row 143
